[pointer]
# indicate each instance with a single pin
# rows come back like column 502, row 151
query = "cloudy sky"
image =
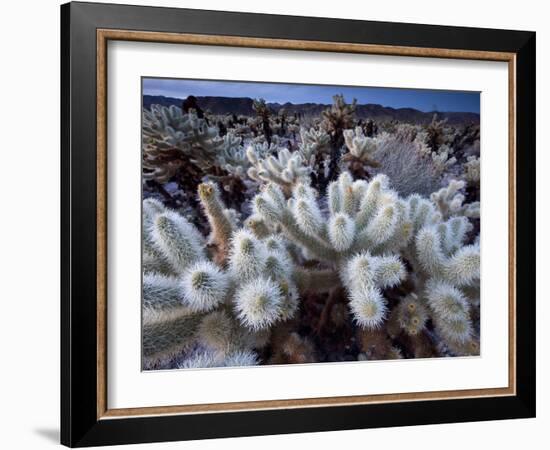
column 421, row 99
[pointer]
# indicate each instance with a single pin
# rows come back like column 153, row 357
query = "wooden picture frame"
column 86, row 418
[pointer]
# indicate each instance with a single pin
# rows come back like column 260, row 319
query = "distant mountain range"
column 243, row 106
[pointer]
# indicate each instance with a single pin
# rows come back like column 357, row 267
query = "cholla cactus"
column 286, row 169
column 406, row 132
column 264, row 114
column 177, row 240
column 472, row 171
column 171, row 137
column 362, row 216
column 206, row 359
column 259, row 303
column 442, row 256
column 449, row 272
column 442, row 158
column 339, row 117
column 281, row 237
column 232, row 156
column 248, row 278
column 436, row 133
column 315, row 144
column 450, row 201
column 365, row 276
column 367, row 233
column 204, row 286
column 361, row 149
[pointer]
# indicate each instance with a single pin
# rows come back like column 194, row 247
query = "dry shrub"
column 408, row 167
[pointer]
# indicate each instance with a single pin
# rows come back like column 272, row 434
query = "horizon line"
column 312, row 103
column 421, row 99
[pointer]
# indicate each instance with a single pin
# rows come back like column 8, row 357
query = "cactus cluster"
column 299, row 240
column 224, row 290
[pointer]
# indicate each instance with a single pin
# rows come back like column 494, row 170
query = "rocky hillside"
column 243, row 106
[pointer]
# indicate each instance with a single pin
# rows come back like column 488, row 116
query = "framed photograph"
column 276, row 224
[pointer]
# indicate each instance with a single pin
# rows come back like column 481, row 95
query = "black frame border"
column 79, row 423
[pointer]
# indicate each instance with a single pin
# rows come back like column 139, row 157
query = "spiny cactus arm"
column 359, row 271
column 454, row 233
column 364, row 270
column 454, row 332
column 217, row 330
column 368, row 307
column 446, row 301
column 389, row 271
column 177, row 240
column 201, row 360
column 464, row 266
column 315, row 280
column 221, row 226
column 451, row 313
column 241, row 358
column 271, row 213
column 315, row 149
column 364, row 275
column 151, row 207
column 164, row 339
column 341, row 231
column 381, row 228
column 247, row 258
column 154, row 263
column 349, row 201
column 315, row 247
column 429, row 251
column 422, row 213
column 278, row 265
column 258, row 303
column 204, row 286
column 207, row 358
column 369, row 201
column 275, row 167
column 162, row 298
column 308, row 217
column 291, row 299
column 201, row 134
column 402, row 235
column 335, row 200
column 258, row 226
column 359, row 189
